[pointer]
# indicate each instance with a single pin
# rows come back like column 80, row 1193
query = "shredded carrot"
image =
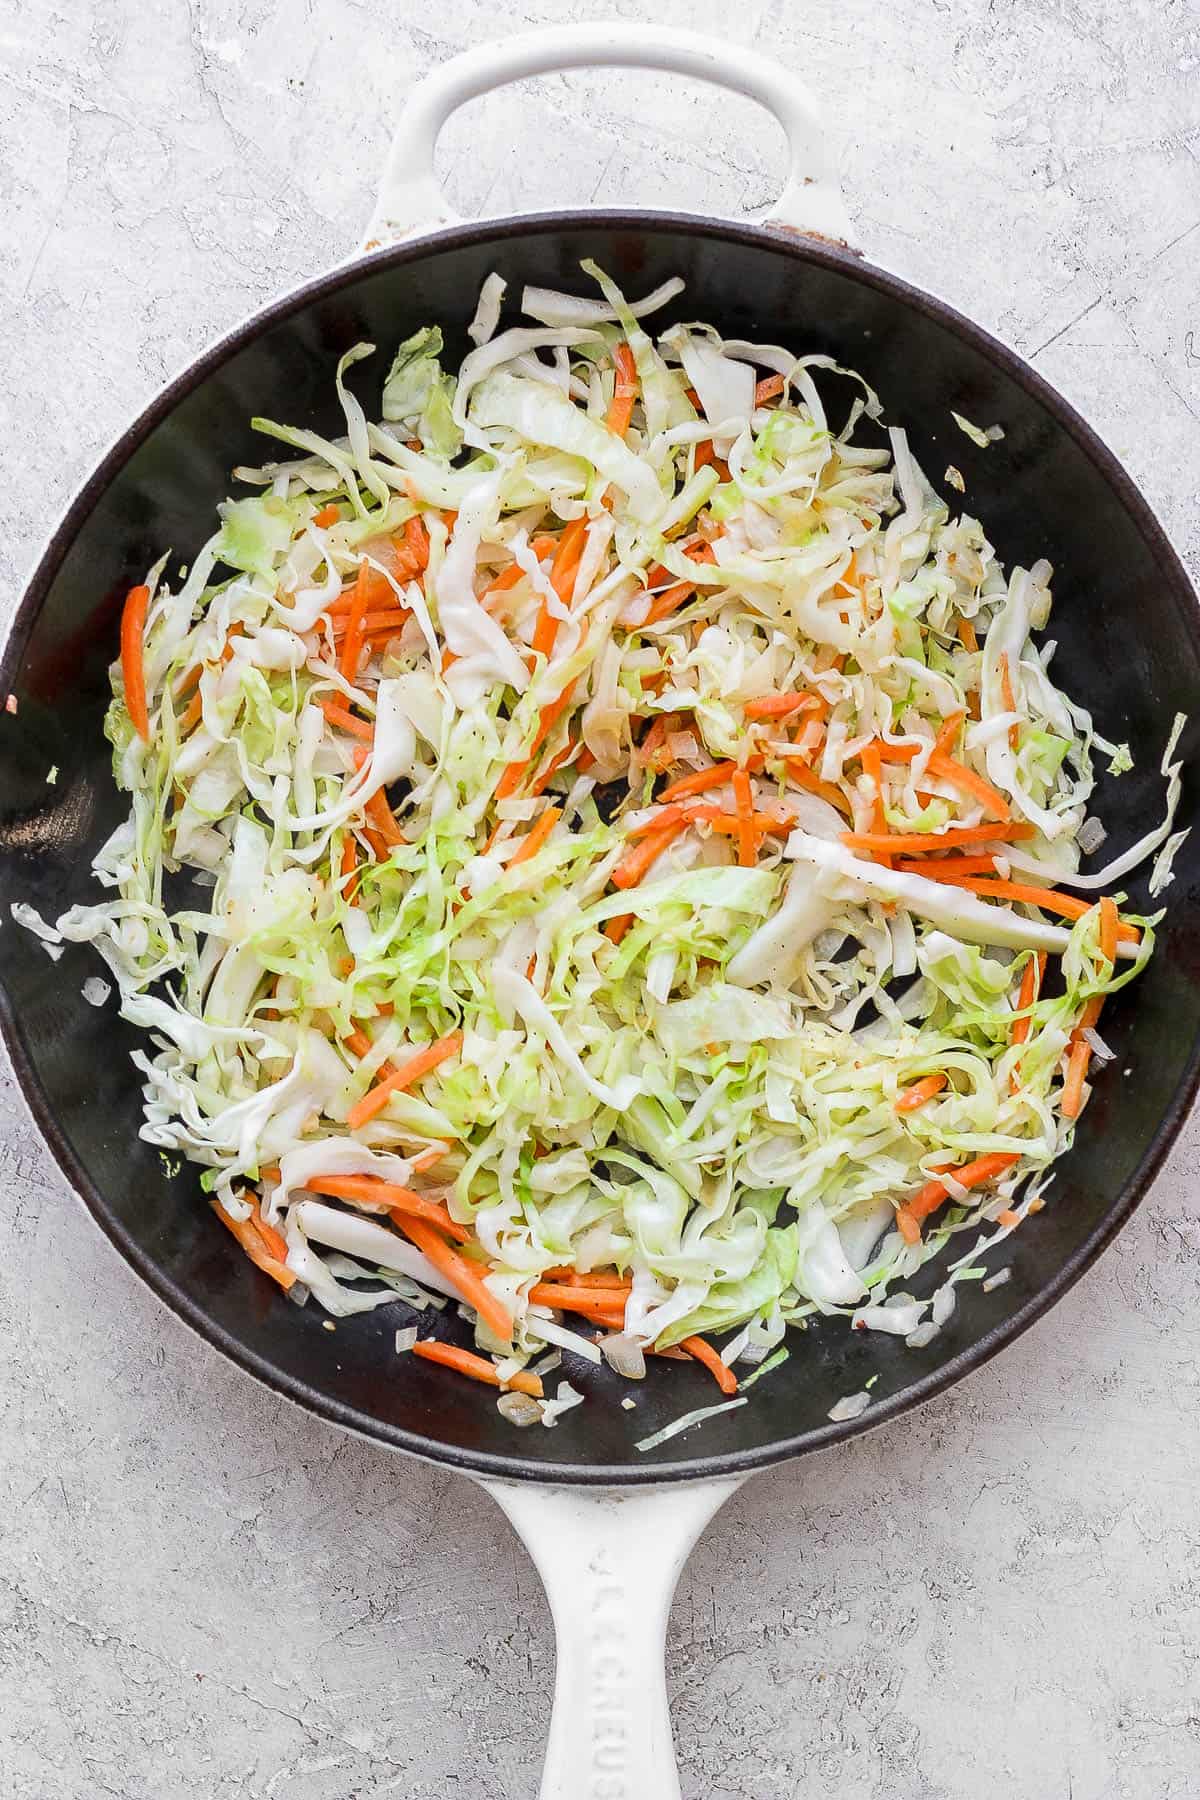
column 780, row 706
column 625, row 389
column 917, row 843
column 542, row 547
column 747, row 837
column 1078, row 1058
column 968, row 782
column 535, row 837
column 191, row 715
column 343, row 717
column 133, row 667
column 254, row 1244
column 871, row 768
column 462, row 1275
column 972, row 1174
column 389, row 1197
column 512, row 777
column 617, row 926
column 564, row 1294
column 704, row 1353
column 892, row 752
column 966, row 636
column 907, row 1226
column 916, row 1096
column 402, row 1076
column 948, row 735
column 1031, row 985
column 349, row 868
column 801, row 776
column 1008, row 1218
column 477, row 1367
column 416, row 539
column 940, row 868
column 379, row 812
column 769, row 389
column 352, row 643
column 636, row 863
column 562, row 579
column 328, row 515
column 595, row 1278
column 1065, row 905
column 1010, row 704
column 705, row 455
column 425, row 1159
column 555, row 763
column 731, row 824
column 387, row 620
column 704, row 779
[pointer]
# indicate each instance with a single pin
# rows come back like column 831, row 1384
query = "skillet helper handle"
column 609, row 1559
column 411, row 199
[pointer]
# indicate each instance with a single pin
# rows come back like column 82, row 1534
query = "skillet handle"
column 411, row 199
column 609, row 1559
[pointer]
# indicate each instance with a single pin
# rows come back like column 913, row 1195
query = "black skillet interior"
column 1129, row 648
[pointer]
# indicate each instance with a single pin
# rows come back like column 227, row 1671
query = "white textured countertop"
column 205, row 1593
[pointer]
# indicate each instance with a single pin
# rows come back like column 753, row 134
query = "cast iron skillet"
column 1129, row 648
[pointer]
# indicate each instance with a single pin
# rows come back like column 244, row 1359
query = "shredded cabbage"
column 581, row 808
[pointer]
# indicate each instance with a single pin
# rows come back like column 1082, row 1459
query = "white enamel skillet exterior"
column 609, row 1558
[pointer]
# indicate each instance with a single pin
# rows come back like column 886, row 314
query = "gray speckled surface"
column 205, row 1593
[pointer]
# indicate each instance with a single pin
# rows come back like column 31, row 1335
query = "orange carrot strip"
column 704, row 779
column 461, row 1274
column 274, row 1240
column 947, row 736
column 704, row 1353
column 562, row 579
column 347, row 721
column 939, row 868
column 1010, row 704
column 353, row 642
column 1078, row 1058
column 916, row 1096
column 625, row 389
column 191, row 715
column 966, row 636
column 891, row 752
column 1031, row 983
column 595, row 1278
column 801, row 776
column 349, row 868
column 747, row 837
column 1065, row 905
column 972, row 1174
column 556, row 762
column 780, row 706
column 252, row 1243
column 732, row 823
column 768, row 389
column 389, row 1197
column 968, row 782
column 328, row 515
column 402, row 1076
column 425, row 1159
column 617, row 926
column 565, row 1293
column 512, row 777
column 907, row 1226
column 535, row 837
column 870, row 759
column 477, row 1367
column 416, row 542
column 917, row 843
column 636, row 863
column 133, row 667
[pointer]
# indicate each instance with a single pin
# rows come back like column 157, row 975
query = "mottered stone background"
column 205, row 1593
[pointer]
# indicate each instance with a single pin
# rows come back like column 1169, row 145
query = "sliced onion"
column 624, row 1355
column 405, row 1339
column 1090, row 836
column 519, row 1409
column 850, row 1407
column 924, row 1334
column 997, row 1280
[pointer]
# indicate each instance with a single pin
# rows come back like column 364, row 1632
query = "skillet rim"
column 1176, row 582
